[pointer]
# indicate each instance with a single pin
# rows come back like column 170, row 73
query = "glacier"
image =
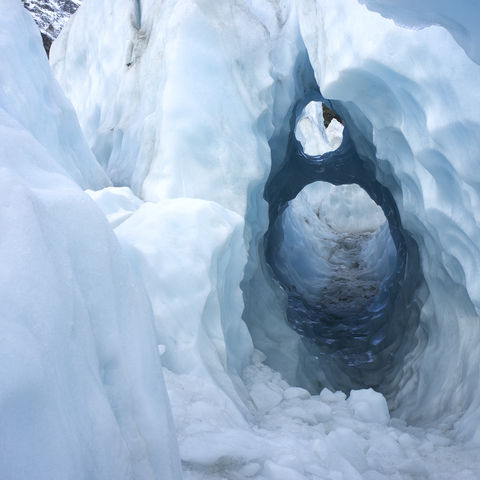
column 203, row 280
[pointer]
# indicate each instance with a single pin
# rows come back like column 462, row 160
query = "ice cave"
column 240, row 240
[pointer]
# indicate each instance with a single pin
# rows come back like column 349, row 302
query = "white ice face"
column 190, row 126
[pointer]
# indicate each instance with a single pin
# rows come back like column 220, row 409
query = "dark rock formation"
column 51, row 16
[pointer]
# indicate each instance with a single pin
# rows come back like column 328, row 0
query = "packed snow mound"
column 117, row 203
column 51, row 16
column 292, row 434
column 190, row 256
column 82, row 392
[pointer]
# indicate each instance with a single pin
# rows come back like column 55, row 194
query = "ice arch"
column 406, row 125
column 367, row 349
column 336, row 259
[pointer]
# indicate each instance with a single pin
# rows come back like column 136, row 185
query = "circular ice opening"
column 336, row 251
column 333, row 253
column 318, row 129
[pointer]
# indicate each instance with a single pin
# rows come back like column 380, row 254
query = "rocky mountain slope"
column 51, row 16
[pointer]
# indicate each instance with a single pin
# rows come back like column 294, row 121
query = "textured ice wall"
column 460, row 18
column 184, row 107
column 412, row 105
column 81, row 390
column 195, row 102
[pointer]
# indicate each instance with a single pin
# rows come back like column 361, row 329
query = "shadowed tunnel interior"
column 350, row 281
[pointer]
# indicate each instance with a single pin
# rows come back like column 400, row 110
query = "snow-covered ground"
column 291, row 434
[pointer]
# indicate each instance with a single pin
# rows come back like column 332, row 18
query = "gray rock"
column 51, row 16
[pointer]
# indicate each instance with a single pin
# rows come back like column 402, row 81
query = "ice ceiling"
column 190, row 257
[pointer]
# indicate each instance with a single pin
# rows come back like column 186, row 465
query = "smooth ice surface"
column 81, row 389
column 460, row 19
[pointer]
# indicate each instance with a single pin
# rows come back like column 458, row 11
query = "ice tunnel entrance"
column 336, row 250
column 337, row 260
column 336, row 246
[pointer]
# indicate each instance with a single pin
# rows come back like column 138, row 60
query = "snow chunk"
column 335, row 133
column 369, row 406
column 264, row 397
column 296, row 392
